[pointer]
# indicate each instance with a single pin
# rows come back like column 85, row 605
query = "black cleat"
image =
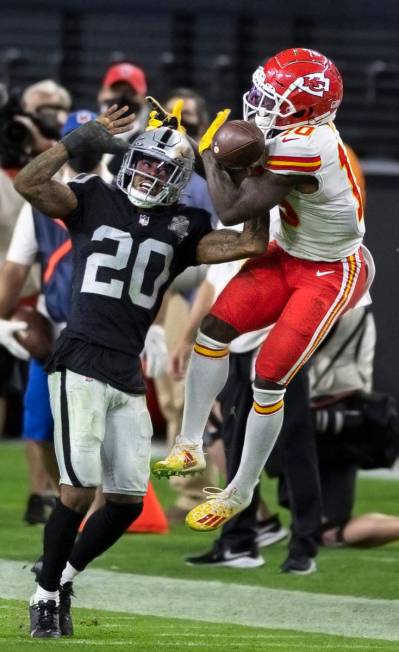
column 299, row 566
column 44, row 619
column 66, row 593
column 224, row 557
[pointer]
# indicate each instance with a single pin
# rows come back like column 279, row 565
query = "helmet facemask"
column 152, row 174
column 272, row 110
column 265, row 104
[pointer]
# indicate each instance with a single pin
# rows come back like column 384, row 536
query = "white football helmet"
column 166, row 161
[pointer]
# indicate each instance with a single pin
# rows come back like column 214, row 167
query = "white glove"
column 7, row 339
column 155, row 351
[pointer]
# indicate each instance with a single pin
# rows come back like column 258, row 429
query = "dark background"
column 214, row 47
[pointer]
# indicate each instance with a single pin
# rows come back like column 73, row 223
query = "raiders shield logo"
column 144, row 219
column 179, row 224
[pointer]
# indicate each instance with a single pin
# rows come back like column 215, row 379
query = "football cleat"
column 219, row 508
column 44, row 619
column 299, row 566
column 66, row 593
column 220, row 556
column 185, row 458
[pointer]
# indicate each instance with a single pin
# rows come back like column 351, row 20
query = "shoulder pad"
column 294, row 151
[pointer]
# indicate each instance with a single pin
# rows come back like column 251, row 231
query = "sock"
column 206, row 376
column 68, row 574
column 102, row 530
column 42, row 594
column 59, row 537
column 263, row 426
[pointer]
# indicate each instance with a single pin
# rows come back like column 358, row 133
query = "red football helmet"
column 295, row 87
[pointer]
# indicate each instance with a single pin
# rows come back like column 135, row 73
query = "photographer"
column 23, row 135
column 355, row 428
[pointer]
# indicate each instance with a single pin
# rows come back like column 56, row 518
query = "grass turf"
column 111, row 631
column 366, row 573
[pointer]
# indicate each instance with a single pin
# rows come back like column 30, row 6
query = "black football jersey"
column 124, row 260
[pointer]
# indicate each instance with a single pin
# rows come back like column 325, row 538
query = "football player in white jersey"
column 309, row 275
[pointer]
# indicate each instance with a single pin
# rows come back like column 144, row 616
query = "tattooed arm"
column 35, row 181
column 223, row 245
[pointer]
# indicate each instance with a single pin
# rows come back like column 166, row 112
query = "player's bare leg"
column 206, row 376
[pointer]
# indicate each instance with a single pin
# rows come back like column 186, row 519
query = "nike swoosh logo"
column 319, row 273
column 235, row 555
column 287, row 140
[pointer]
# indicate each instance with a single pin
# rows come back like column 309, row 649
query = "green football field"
column 140, row 595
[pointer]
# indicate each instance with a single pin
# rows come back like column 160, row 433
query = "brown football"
column 38, row 337
column 238, row 144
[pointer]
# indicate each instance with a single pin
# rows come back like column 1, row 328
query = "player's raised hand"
column 115, row 120
column 99, row 135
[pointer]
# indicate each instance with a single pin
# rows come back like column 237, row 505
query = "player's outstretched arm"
column 223, row 245
column 35, row 181
column 254, row 196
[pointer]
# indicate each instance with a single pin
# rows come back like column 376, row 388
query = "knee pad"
column 122, row 514
column 205, row 345
column 268, row 401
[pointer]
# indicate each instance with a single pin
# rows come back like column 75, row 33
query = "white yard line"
column 221, row 603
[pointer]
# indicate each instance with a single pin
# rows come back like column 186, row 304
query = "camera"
column 17, row 140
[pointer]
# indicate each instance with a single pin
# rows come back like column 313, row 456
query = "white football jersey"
column 327, row 224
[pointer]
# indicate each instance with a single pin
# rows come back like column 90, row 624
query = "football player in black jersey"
column 130, row 240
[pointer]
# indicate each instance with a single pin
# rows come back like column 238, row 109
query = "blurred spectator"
column 124, row 84
column 195, row 115
column 49, row 103
column 355, row 428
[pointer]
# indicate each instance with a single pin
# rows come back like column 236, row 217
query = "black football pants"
column 295, row 456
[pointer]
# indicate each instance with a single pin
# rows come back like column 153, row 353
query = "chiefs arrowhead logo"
column 316, row 83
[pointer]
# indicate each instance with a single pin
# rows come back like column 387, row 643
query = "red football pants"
column 302, row 298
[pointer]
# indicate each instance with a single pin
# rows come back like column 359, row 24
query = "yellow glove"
column 159, row 117
column 206, row 140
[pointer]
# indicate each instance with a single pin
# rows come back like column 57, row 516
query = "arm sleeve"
column 23, row 246
column 290, row 153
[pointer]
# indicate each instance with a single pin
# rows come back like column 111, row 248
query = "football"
column 38, row 337
column 238, row 144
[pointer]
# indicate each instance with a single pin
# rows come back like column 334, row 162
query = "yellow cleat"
column 184, row 459
column 219, row 508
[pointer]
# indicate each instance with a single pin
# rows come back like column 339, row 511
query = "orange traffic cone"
column 152, row 518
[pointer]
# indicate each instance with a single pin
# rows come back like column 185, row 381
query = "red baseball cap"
column 126, row 72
